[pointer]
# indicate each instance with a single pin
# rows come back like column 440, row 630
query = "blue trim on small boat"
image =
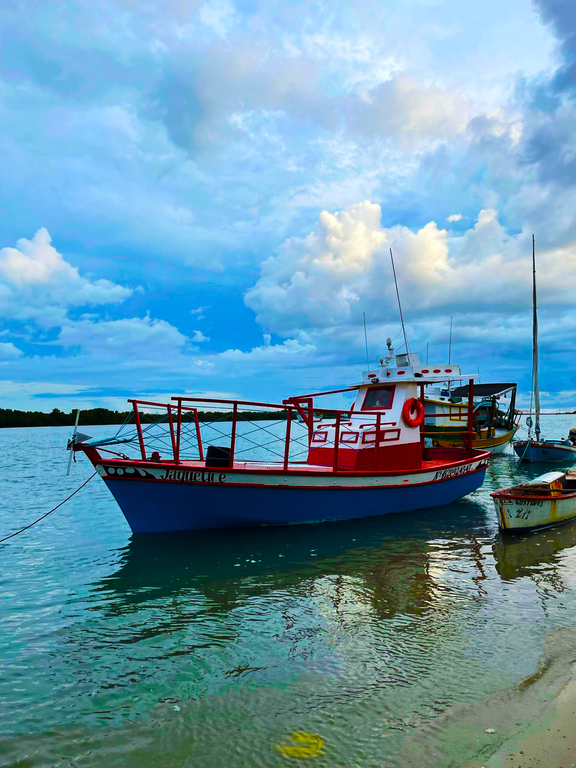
column 151, row 507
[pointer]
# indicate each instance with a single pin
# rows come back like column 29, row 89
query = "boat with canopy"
column 494, row 417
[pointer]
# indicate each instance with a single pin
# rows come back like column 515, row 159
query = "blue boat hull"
column 154, row 507
column 544, row 453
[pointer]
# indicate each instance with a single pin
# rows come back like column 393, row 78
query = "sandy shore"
column 530, row 726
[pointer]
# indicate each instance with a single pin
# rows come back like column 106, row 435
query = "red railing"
column 174, row 435
column 178, row 429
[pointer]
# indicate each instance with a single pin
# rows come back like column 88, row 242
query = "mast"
column 399, row 304
column 366, row 342
column 535, row 342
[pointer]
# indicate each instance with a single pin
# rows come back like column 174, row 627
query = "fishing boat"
column 494, row 417
column 302, row 464
column 544, row 501
column 536, row 449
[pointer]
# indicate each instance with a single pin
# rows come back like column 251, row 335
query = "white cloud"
column 290, row 353
column 455, row 217
column 409, row 111
column 36, row 282
column 199, row 337
column 219, row 15
column 199, row 311
column 133, row 339
column 8, row 351
column 328, row 278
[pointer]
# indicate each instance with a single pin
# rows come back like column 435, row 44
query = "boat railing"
column 252, row 432
column 251, row 436
column 255, row 432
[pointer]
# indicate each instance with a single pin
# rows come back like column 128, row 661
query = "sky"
column 199, row 196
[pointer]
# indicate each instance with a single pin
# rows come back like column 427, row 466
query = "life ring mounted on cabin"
column 413, row 412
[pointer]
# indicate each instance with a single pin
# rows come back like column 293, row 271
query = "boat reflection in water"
column 394, row 566
column 541, row 556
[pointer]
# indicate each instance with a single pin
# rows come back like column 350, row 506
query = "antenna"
column 366, row 341
column 399, row 304
column 450, row 343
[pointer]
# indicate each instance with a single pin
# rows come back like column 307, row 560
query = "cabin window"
column 319, row 437
column 378, row 398
column 386, row 436
column 349, row 437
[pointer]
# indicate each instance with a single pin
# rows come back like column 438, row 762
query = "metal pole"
column 422, row 427
column 366, row 341
column 139, row 429
column 198, row 435
column 287, row 439
column 178, row 432
column 378, row 418
column 535, row 372
column 470, row 412
column 233, row 440
column 399, row 304
column 172, row 436
column 336, row 443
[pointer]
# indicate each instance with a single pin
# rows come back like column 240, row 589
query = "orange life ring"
column 411, row 405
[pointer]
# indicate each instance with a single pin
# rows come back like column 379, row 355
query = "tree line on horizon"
column 90, row 417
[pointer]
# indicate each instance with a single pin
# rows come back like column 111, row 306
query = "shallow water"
column 209, row 649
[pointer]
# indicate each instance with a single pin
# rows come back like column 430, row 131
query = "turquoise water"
column 210, row 649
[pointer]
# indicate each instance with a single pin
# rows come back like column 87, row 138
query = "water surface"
column 209, row 649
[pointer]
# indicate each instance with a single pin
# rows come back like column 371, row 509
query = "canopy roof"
column 484, row 390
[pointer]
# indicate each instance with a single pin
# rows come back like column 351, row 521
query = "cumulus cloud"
column 328, row 278
column 130, row 339
column 37, row 282
column 455, row 217
column 199, row 337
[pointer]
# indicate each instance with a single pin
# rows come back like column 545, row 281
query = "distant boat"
column 493, row 421
column 540, row 450
column 547, row 500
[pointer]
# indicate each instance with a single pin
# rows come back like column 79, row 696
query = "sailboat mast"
column 535, row 342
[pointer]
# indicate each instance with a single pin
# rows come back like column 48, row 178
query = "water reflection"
column 396, row 563
column 539, row 555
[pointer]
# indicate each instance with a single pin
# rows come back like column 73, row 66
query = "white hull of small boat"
column 545, row 501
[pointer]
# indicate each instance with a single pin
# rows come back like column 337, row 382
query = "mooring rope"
column 50, row 512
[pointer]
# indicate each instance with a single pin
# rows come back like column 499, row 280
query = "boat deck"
column 297, row 466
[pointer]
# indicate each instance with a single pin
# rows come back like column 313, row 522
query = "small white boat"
column 547, row 500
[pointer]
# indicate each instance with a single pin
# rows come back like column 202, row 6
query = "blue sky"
column 200, row 196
